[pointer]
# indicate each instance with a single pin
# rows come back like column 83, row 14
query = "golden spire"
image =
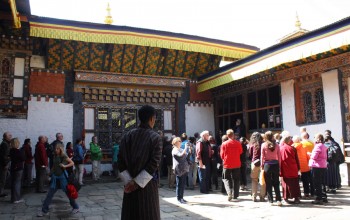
column 297, row 22
column 108, row 19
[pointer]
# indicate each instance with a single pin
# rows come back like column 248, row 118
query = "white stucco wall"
column 49, row 118
column 199, row 118
column 332, row 112
column 44, row 118
column 332, row 107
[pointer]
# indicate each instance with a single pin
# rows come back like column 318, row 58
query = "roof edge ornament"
column 15, row 14
column 297, row 22
column 108, row 19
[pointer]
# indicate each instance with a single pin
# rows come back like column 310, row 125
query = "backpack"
column 332, row 155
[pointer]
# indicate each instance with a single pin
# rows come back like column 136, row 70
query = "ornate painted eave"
column 314, row 45
column 124, row 79
column 101, row 33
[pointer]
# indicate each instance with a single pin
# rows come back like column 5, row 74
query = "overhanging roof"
column 324, row 39
column 101, row 33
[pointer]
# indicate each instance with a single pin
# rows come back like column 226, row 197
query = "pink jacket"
column 318, row 157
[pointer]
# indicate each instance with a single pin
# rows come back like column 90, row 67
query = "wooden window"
column 309, row 100
column 108, row 123
column 229, row 109
column 264, row 110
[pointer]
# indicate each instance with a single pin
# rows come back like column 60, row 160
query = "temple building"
column 84, row 79
column 303, row 81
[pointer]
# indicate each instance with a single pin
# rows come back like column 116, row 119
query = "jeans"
column 180, row 186
column 231, row 177
column 79, row 172
column 308, row 185
column 27, row 174
column 40, row 178
column 204, row 179
column 96, row 169
column 255, row 177
column 190, row 175
column 318, row 178
column 49, row 197
column 3, row 174
column 272, row 181
column 16, row 182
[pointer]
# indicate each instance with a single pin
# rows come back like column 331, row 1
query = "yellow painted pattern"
column 127, row 37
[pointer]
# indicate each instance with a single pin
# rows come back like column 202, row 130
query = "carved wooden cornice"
column 129, row 79
column 319, row 66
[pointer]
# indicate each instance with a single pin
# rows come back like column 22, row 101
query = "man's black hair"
column 146, row 112
column 27, row 141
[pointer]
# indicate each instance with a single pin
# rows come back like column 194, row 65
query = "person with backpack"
column 28, row 164
column 78, row 158
column 340, row 156
column 332, row 180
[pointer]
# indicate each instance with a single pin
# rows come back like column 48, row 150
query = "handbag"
column 72, row 180
column 262, row 178
column 182, row 167
column 73, row 186
column 71, row 191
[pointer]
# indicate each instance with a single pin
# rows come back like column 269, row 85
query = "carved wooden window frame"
column 309, row 100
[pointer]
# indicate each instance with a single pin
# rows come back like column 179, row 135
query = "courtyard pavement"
column 103, row 200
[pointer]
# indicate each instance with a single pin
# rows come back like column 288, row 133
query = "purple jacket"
column 318, row 157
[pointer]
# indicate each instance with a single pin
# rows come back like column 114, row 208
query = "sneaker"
column 235, row 199
column 262, row 199
column 181, row 201
column 279, row 203
column 41, row 214
column 74, row 211
column 18, row 201
column 229, row 198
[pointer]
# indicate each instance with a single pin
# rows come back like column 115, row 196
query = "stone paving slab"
column 103, row 201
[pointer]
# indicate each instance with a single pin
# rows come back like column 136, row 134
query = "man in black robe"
column 138, row 163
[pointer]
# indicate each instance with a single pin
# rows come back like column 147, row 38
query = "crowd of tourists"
column 277, row 161
column 52, row 162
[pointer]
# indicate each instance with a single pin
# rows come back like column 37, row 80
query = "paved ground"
column 102, row 201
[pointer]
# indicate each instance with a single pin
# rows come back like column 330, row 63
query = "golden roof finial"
column 108, row 19
column 15, row 14
column 297, row 22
